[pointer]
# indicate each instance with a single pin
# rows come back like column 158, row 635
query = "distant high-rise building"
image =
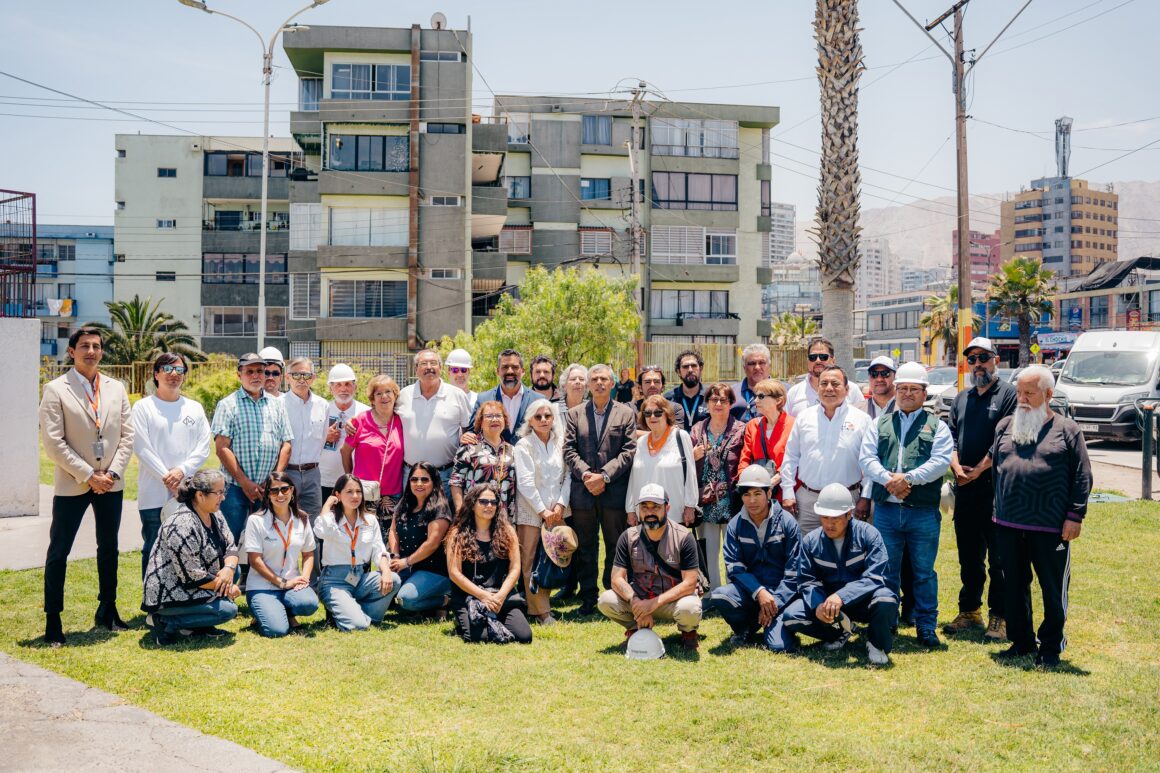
column 796, row 287
column 915, row 279
column 985, row 253
column 1063, row 222
column 782, row 236
column 875, row 270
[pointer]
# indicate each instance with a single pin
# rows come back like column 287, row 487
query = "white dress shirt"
column 665, row 469
column 263, row 537
column 335, row 539
column 431, row 427
column 330, row 462
column 542, row 477
column 308, row 423
column 168, row 435
column 512, row 405
column 802, row 395
column 874, row 471
column 820, row 451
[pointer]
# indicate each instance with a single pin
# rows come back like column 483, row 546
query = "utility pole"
column 961, row 69
column 634, row 228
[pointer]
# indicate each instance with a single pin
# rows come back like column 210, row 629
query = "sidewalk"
column 24, row 541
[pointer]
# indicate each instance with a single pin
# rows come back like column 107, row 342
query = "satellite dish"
column 438, row 21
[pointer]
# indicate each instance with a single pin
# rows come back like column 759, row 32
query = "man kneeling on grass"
column 654, row 572
column 842, row 577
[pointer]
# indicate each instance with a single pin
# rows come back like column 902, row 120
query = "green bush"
column 210, row 388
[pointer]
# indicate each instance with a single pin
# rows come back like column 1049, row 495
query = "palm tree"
column 942, row 319
column 1022, row 291
column 792, row 329
column 140, row 332
column 836, row 231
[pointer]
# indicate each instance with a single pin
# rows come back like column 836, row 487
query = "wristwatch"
column 607, row 479
column 114, row 475
column 909, row 479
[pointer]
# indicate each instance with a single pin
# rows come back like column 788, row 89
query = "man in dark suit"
column 599, row 443
column 510, row 391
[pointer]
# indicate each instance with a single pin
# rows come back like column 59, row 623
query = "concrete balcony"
column 345, row 256
column 359, row 329
column 337, row 183
column 693, row 272
column 489, row 200
column 764, row 224
column 708, row 324
column 43, row 309
column 277, row 242
column 245, row 188
column 489, row 138
column 489, row 265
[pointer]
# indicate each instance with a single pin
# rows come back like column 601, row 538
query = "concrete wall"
column 19, row 465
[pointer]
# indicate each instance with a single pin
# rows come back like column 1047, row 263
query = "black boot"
column 53, row 632
column 107, row 618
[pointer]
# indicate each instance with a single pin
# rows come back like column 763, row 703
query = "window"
column 304, row 296
column 237, row 321
column 369, row 153
column 1099, row 311
column 66, row 252
column 446, row 201
column 368, row 227
column 766, row 199
column 690, row 304
column 695, row 137
column 120, row 205
column 309, row 92
column 166, row 276
column 519, row 187
column 238, row 268
column 166, row 171
column 596, row 130
column 688, row 190
column 371, row 81
column 516, row 241
column 446, row 273
column 45, row 252
column 243, row 164
column 595, row 241
column 721, row 247
column 167, row 224
column 442, row 56
column 519, row 128
column 446, row 128
column 120, row 153
column 305, row 226
column 66, row 290
column 595, row 189
column 375, row 299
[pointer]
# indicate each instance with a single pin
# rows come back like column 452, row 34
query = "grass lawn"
column 410, row 696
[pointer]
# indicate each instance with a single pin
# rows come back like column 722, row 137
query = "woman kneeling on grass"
column 416, row 540
column 189, row 578
column 352, row 544
column 483, row 560
column 276, row 538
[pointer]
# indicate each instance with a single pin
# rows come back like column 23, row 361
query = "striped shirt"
column 256, row 429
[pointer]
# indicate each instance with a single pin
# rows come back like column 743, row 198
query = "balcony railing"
column 48, row 348
column 695, row 315
column 46, row 268
column 245, row 225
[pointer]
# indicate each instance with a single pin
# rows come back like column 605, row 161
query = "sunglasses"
column 823, row 357
column 301, row 376
column 761, row 395
column 655, row 413
column 984, row 357
column 178, row 369
column 423, row 479
column 488, row 502
column 456, row 371
column 274, row 373
column 543, row 417
column 280, row 490
column 881, row 373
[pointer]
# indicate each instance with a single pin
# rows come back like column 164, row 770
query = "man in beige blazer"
column 87, row 433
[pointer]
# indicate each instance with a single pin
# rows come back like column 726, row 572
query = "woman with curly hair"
column 483, row 561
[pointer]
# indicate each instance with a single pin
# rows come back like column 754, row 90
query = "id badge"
column 352, row 578
column 99, row 449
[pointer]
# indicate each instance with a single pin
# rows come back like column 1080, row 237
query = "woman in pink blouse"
column 374, row 444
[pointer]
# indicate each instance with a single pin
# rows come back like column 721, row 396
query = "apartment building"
column 795, row 286
column 913, row 279
column 877, row 274
column 1063, row 222
column 187, row 231
column 703, row 178
column 782, row 233
column 74, row 280
column 985, row 251
column 394, row 226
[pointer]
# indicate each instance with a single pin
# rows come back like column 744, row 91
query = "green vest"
column 915, row 451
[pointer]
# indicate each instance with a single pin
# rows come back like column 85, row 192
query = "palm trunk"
column 1024, row 341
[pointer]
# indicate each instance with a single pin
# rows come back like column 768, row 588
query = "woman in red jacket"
column 766, row 435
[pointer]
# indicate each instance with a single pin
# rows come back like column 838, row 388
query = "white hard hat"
column 459, row 358
column 271, row 354
column 980, row 342
column 341, row 372
column 834, row 500
column 754, row 476
column 911, row 373
column 645, row 644
column 946, row 501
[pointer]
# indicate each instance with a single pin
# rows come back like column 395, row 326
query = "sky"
column 201, row 73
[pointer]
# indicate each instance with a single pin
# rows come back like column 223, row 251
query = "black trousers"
column 978, row 557
column 611, row 522
column 67, row 514
column 1020, row 551
column 512, row 614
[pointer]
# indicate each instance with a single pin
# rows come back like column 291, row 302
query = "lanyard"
column 285, row 540
column 95, row 401
column 691, row 413
column 353, row 540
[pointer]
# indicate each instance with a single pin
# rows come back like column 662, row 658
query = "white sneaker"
column 877, row 656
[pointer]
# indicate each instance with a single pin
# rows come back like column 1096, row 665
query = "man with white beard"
column 1042, row 481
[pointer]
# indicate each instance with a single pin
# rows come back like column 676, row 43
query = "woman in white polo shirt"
column 277, row 538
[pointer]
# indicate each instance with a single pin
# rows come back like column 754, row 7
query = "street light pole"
column 267, row 73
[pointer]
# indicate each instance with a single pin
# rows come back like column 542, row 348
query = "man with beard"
column 804, row 394
column 689, row 394
column 974, row 415
column 511, row 392
column 275, row 367
column 1042, row 482
column 652, row 382
column 544, row 378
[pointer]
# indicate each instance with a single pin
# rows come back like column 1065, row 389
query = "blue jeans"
column 917, row 529
column 422, row 591
column 205, row 615
column 150, row 525
column 740, row 611
column 236, row 508
column 272, row 608
column 357, row 607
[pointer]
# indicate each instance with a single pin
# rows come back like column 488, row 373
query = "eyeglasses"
column 301, row 376
column 178, row 369
column 456, row 371
column 761, row 395
column 418, row 479
column 543, row 417
column 493, row 417
column 820, row 357
column 881, row 373
column 273, row 373
column 221, row 493
column 280, row 490
column 756, row 363
column 984, row 357
column 655, row 413
column 719, row 400
column 488, row 502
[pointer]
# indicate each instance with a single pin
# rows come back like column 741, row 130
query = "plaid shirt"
column 256, row 429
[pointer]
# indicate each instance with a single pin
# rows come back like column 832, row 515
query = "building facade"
column 1061, row 221
column 703, row 177
column 876, row 271
column 985, row 249
column 914, row 279
column 782, row 233
column 795, row 286
column 74, row 281
column 891, row 326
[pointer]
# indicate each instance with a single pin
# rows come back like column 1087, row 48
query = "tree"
column 942, row 319
column 791, row 329
column 837, row 230
column 572, row 315
column 1022, row 291
column 140, row 332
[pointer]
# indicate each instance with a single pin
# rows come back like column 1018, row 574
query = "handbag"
column 372, row 489
column 698, row 518
column 545, row 573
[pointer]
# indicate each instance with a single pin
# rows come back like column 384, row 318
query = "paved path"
column 54, row 723
column 24, row 541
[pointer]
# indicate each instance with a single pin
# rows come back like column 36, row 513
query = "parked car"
column 1103, row 377
column 943, row 381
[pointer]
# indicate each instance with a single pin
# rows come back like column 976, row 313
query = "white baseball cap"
column 884, row 361
column 980, row 342
column 653, row 492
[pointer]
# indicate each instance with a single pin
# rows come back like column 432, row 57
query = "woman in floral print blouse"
column 491, row 460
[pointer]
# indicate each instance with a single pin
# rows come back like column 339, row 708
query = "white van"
column 1105, row 373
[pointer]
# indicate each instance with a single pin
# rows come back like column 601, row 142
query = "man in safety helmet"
column 459, row 365
column 841, row 577
column 343, row 384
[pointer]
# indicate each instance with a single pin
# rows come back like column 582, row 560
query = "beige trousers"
column 538, row 603
column 685, row 612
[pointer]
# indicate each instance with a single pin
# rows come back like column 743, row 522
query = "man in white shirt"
column 823, row 448
column 308, row 421
column 434, row 414
column 343, row 384
column 804, row 394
